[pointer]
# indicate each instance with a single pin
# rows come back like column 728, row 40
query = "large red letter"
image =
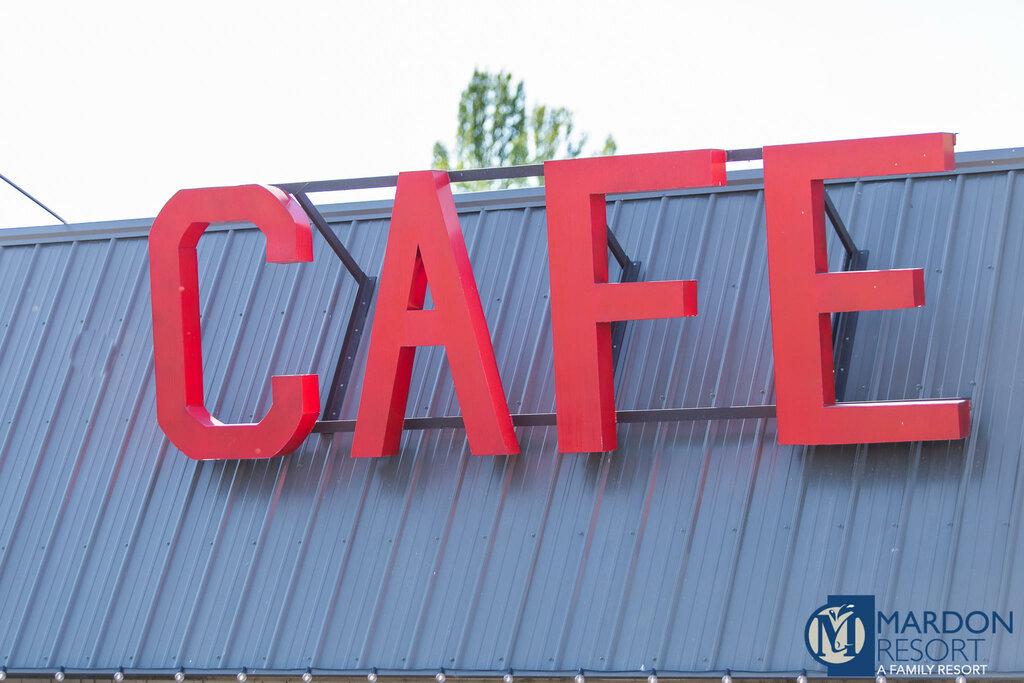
column 425, row 242
column 177, row 342
column 803, row 293
column 583, row 302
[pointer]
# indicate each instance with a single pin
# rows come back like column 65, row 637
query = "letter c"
column 177, row 338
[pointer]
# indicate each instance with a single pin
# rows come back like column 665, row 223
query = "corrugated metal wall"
column 694, row 548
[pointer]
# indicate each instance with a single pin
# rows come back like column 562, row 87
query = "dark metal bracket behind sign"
column 356, row 320
column 843, row 324
column 630, row 273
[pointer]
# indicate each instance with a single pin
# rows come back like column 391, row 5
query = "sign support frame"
column 844, row 324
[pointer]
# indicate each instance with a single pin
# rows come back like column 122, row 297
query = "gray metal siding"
column 695, row 547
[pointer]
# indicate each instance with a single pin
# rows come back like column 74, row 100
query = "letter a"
column 425, row 244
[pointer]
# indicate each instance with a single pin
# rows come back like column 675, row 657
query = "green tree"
column 495, row 128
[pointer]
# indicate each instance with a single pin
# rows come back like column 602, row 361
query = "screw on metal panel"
column 179, row 675
column 372, row 676
column 307, row 675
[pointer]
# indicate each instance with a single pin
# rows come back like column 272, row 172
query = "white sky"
column 107, row 108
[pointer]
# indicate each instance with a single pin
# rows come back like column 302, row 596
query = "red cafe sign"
column 425, row 244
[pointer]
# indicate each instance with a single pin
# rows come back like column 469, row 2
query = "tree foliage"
column 496, row 128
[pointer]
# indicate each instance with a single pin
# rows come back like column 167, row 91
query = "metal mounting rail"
column 548, row 419
column 462, row 176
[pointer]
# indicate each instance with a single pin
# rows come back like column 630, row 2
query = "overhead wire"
column 38, row 203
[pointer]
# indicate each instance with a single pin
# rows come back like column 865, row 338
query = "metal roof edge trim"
column 132, row 672
column 980, row 161
column 594, row 674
